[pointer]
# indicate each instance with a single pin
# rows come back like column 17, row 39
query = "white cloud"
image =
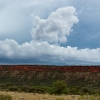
column 44, row 51
column 8, row 48
column 56, row 27
column 15, row 17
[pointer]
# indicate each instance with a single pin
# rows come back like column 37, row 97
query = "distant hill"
column 46, row 75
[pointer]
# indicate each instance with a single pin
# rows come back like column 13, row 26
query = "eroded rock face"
column 45, row 75
column 50, row 68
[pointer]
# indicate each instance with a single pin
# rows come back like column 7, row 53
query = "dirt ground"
column 35, row 96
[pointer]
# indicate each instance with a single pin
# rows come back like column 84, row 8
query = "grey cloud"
column 44, row 52
column 15, row 20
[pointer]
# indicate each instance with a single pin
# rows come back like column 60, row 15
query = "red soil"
column 50, row 68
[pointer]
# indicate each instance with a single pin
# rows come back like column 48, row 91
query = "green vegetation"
column 5, row 97
column 59, row 87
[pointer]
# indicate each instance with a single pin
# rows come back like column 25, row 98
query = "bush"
column 8, row 84
column 5, row 97
column 85, row 90
column 13, row 88
column 59, row 87
column 37, row 90
column 25, row 88
column 5, row 86
column 74, row 90
column 2, row 86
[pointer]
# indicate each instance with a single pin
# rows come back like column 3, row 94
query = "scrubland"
column 36, row 96
column 37, row 82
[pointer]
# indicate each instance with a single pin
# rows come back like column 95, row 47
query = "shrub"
column 25, row 88
column 32, row 90
column 5, row 86
column 5, row 97
column 85, row 90
column 8, row 84
column 2, row 86
column 13, row 88
column 74, row 90
column 38, row 89
column 59, row 87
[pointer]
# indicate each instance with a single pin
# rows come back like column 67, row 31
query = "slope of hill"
column 46, row 75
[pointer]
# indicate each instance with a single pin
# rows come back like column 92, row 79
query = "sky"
column 50, row 32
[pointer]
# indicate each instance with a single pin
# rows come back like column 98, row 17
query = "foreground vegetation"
column 24, row 82
column 5, row 97
column 58, row 91
column 35, row 96
column 58, row 87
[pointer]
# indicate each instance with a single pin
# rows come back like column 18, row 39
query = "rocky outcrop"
column 45, row 75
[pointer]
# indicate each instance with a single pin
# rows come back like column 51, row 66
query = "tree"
column 60, row 87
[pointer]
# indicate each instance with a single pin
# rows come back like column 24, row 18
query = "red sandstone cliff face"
column 50, row 68
column 45, row 75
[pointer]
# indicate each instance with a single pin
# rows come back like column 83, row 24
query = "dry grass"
column 35, row 96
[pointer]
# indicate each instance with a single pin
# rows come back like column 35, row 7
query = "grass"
column 60, row 99
column 5, row 97
column 36, row 96
column 90, row 97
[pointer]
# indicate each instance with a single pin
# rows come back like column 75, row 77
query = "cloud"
column 15, row 21
column 8, row 48
column 56, row 27
column 52, row 25
column 45, row 52
column 45, row 33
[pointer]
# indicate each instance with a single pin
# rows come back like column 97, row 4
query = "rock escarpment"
column 46, row 75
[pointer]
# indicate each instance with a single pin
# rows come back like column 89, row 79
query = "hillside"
column 46, row 75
